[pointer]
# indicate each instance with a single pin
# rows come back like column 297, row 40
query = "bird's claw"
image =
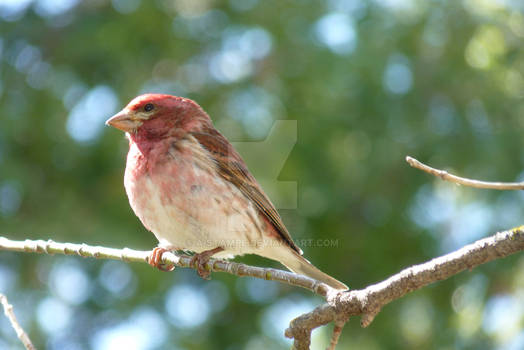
column 199, row 261
column 155, row 260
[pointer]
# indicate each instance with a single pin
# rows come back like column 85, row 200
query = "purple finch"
column 191, row 188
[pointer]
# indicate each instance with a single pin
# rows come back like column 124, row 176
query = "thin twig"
column 444, row 175
column 126, row 254
column 369, row 301
column 337, row 331
column 22, row 335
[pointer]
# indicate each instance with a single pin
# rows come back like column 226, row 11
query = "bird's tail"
column 298, row 264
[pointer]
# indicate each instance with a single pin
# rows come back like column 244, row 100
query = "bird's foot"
column 200, row 260
column 155, row 260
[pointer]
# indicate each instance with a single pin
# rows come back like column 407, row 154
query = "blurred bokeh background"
column 358, row 85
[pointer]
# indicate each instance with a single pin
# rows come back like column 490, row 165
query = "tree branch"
column 340, row 305
column 126, row 254
column 9, row 313
column 369, row 301
column 444, row 175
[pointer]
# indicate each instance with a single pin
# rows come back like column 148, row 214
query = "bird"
column 191, row 188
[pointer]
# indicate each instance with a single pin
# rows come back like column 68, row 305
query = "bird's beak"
column 124, row 121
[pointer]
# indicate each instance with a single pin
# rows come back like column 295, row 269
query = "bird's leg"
column 155, row 259
column 201, row 259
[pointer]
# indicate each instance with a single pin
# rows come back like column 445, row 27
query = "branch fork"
column 369, row 301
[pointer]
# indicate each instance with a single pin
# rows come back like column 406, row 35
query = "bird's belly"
column 197, row 210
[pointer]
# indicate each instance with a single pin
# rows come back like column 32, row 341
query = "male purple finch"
column 191, row 188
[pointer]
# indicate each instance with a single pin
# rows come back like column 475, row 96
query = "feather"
column 232, row 168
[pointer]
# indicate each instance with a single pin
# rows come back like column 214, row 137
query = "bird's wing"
column 232, row 168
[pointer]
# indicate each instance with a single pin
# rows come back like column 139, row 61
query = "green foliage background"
column 367, row 83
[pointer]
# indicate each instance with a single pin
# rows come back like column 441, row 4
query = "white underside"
column 194, row 215
column 202, row 225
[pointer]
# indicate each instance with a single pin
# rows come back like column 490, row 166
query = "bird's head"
column 152, row 116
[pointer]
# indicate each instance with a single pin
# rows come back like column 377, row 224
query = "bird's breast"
column 181, row 198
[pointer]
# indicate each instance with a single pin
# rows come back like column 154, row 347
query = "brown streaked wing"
column 233, row 169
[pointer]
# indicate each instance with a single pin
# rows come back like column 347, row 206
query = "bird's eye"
column 149, row 107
